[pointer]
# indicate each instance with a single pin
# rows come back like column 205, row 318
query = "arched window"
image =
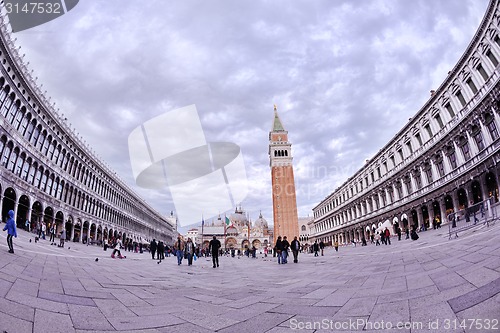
column 50, row 181
column 18, row 118
column 7, row 104
column 19, row 164
column 13, row 111
column 52, row 148
column 286, row 152
column 29, row 131
column 31, row 173
column 6, row 153
column 43, row 182
column 38, row 177
column 12, row 160
column 24, row 124
column 26, row 168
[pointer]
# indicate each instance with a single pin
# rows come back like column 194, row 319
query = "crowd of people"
column 188, row 250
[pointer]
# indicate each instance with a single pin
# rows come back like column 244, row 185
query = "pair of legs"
column 190, row 259
column 295, row 256
column 114, row 251
column 284, row 256
column 215, row 259
column 10, row 244
column 180, row 255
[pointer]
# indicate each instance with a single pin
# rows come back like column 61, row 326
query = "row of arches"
column 77, row 229
column 421, row 217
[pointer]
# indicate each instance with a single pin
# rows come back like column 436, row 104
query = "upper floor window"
column 419, row 139
column 478, row 137
column 481, row 71
column 449, row 108
column 472, row 86
column 439, row 120
column 440, row 167
column 410, row 148
column 466, row 151
column 492, row 58
column 453, row 159
column 461, row 98
column 492, row 127
column 429, row 131
column 401, row 157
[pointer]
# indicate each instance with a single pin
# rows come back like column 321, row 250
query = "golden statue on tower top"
column 275, row 107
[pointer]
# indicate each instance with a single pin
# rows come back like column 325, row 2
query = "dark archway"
column 36, row 214
column 492, row 186
column 414, row 218
column 59, row 221
column 78, row 230
column 69, row 227
column 48, row 218
column 462, row 199
column 22, row 211
column 477, row 196
column 85, row 232
column 8, row 203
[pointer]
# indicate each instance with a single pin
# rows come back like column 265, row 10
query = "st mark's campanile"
column 284, row 199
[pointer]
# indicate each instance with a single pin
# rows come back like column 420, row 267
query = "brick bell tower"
column 286, row 222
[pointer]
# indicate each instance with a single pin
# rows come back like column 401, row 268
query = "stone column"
column 458, row 154
column 431, row 215
column 72, row 231
column 420, row 217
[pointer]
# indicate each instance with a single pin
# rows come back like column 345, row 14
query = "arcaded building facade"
column 445, row 159
column 48, row 175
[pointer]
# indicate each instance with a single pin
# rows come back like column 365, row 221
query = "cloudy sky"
column 346, row 76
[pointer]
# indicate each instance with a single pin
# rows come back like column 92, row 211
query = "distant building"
column 304, row 229
column 235, row 231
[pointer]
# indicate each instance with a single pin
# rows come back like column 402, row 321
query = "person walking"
column 336, row 245
column 117, row 248
column 295, row 246
column 63, row 237
column 152, row 248
column 407, row 232
column 284, row 253
column 160, row 250
column 190, row 251
column 11, row 230
column 387, row 236
column 278, row 249
column 322, row 247
column 52, row 232
column 27, row 225
column 214, row 247
column 179, row 250
column 44, row 229
column 398, row 231
column 316, row 248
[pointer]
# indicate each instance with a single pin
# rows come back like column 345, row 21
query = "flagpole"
column 202, row 226
column 225, row 233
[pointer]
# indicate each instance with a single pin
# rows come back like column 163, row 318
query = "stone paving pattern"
column 48, row 289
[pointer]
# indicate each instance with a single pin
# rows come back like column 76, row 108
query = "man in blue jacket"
column 11, row 230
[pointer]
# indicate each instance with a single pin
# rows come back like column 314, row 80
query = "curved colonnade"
column 444, row 160
column 48, row 175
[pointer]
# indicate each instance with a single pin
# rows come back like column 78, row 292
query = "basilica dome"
column 261, row 222
column 239, row 218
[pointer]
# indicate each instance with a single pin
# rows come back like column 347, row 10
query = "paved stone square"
column 430, row 285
